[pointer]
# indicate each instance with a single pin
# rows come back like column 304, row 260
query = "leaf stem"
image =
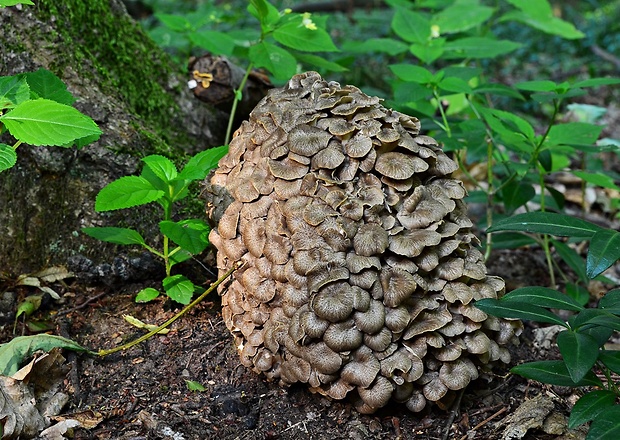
column 233, row 110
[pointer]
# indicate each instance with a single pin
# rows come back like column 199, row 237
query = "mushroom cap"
column 360, row 268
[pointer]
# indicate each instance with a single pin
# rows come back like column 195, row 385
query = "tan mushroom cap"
column 360, row 269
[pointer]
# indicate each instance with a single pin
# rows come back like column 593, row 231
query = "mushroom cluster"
column 360, row 267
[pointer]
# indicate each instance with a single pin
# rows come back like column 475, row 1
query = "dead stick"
column 485, row 421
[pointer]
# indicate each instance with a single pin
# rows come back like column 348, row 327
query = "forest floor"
column 142, row 393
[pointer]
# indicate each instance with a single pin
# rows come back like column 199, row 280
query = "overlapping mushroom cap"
column 361, row 269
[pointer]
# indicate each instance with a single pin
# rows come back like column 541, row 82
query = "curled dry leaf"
column 360, row 260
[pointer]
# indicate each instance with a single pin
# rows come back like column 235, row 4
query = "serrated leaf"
column 8, row 157
column 14, row 352
column 279, row 62
column 44, row 84
column 553, row 373
column 115, row 235
column 479, row 47
column 161, row 166
column 179, row 257
column 146, row 295
column 191, row 235
column 126, row 192
column 579, row 351
column 411, row 26
column 179, row 288
column 605, row 426
column 13, row 90
column 604, row 251
column 589, row 406
column 46, row 122
column 200, row 164
column 298, row 37
column 542, row 297
column 547, row 223
column 517, row 310
column 192, row 385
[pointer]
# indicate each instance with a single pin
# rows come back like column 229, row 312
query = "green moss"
column 128, row 64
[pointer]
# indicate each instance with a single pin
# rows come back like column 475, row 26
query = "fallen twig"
column 484, row 422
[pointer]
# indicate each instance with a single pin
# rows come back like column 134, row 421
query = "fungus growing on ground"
column 360, row 265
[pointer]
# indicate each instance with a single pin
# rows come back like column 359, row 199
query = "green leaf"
column 8, row 157
column 44, row 84
column 600, row 334
column 454, row 85
column 161, row 166
column 542, row 297
column 537, row 86
column 17, row 350
column 215, row 42
column 595, row 82
column 265, row 12
column 597, row 178
column 498, row 89
column 505, row 123
column 273, row 58
column 412, row 73
column 512, row 240
column 589, row 406
column 579, row 351
column 572, row 258
column 604, row 251
column 605, row 426
column 518, row 310
column 192, row 385
column 298, row 37
column 610, row 300
column 319, row 62
column 13, row 90
column 479, row 47
column 179, row 257
column 553, row 373
column 179, row 288
column 611, row 359
column 516, row 194
column 46, row 122
column 146, row 295
column 4, row 3
column 191, row 234
column 539, row 15
column 578, row 292
column 461, row 16
column 547, row 223
column 411, row 26
column 428, row 52
column 389, row 46
column 573, row 133
column 200, row 164
column 126, row 192
column 115, row 235
column 176, row 23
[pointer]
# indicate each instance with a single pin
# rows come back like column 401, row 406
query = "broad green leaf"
column 192, row 385
column 179, row 257
column 479, row 47
column 318, row 62
column 13, row 90
column 411, row 26
column 537, row 86
column 146, row 295
column 44, row 84
column 215, row 42
column 4, row 3
column 276, row 60
column 300, row 38
column 539, row 15
column 578, row 292
column 604, row 251
column 498, row 89
column 542, row 297
column 46, row 122
column 429, row 52
column 265, row 12
column 573, row 133
column 516, row 194
column 17, row 350
column 518, row 310
column 511, row 240
column 411, row 92
column 179, row 288
column 8, row 157
column 411, row 73
column 553, row 373
column 595, row 82
column 610, row 300
column 454, row 85
column 176, row 23
column 589, row 406
column 460, row 17
column 200, row 164
column 126, row 192
column 547, row 223
column 605, row 426
column 509, row 123
column 572, row 258
column 191, row 235
column 600, row 334
column 579, row 351
column 115, row 235
column 587, row 112
column 381, row 45
column 611, row 359
column 161, row 166
column 608, row 320
column 597, row 178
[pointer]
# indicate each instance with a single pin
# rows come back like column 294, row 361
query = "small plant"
column 582, row 343
column 160, row 182
column 36, row 109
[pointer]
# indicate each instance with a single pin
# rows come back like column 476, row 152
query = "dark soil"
column 142, row 393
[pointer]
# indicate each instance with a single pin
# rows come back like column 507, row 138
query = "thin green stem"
column 17, row 144
column 186, row 309
column 233, row 110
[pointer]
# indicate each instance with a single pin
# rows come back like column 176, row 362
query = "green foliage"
column 160, row 182
column 35, row 108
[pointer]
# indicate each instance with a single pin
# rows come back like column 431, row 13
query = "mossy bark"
column 130, row 88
